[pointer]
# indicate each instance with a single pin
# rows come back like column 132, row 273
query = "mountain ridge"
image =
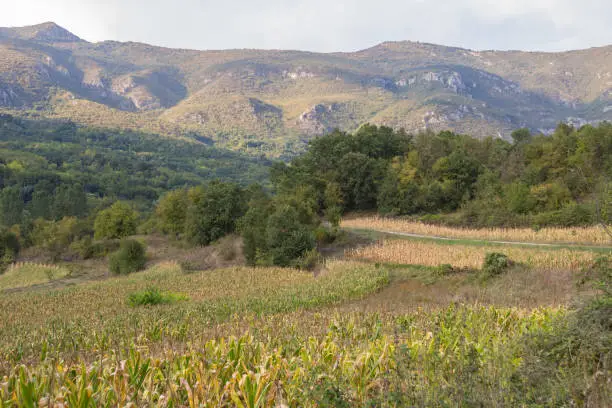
column 273, row 101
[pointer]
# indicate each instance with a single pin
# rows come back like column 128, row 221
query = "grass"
column 26, row 274
column 578, row 235
column 466, row 256
column 152, row 296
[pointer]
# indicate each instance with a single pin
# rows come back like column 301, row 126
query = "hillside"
column 273, row 101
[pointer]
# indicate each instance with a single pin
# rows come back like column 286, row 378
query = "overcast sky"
column 326, row 25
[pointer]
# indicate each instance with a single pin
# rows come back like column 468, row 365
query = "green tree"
column 118, row 221
column 286, row 238
column 9, row 248
column 69, row 201
column 171, row 212
column 213, row 212
column 518, row 198
column 11, row 206
column 252, row 228
column 333, row 204
column 358, row 178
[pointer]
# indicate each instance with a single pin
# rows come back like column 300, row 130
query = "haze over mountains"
column 272, row 101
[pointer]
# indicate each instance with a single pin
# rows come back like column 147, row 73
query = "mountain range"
column 271, row 101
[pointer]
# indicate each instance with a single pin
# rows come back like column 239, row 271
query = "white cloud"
column 327, row 25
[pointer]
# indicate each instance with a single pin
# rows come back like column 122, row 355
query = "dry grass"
column 465, row 256
column 578, row 235
column 24, row 274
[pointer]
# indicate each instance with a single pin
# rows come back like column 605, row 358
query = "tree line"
column 533, row 180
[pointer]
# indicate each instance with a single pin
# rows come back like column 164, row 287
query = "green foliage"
column 445, row 270
column 286, row 237
column 333, row 204
column 11, row 206
column 171, row 212
column 252, row 228
column 153, row 296
column 57, row 236
column 131, row 257
column 9, row 248
column 52, row 169
column 546, row 180
column 213, row 212
column 118, row 221
column 309, row 260
column 495, row 264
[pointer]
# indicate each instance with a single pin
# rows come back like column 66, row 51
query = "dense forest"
column 54, row 169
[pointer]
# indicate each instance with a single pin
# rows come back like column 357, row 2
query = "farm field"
column 385, row 326
column 593, row 235
column 411, row 252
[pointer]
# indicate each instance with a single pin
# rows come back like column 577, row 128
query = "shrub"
column 212, row 212
column 226, row 248
column 153, row 296
column 495, row 263
column 445, row 270
column 287, row 238
column 309, row 261
column 118, row 221
column 84, row 248
column 131, row 257
column 9, row 249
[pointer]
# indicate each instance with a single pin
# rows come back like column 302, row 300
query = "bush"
column 226, row 248
column 445, row 270
column 153, row 296
column 309, row 261
column 131, row 257
column 118, row 221
column 213, row 212
column 495, row 264
column 287, row 238
column 9, row 249
column 84, row 248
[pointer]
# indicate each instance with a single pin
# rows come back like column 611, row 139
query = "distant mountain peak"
column 49, row 32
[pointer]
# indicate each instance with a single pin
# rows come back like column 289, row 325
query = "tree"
column 11, row 206
column 521, row 136
column 286, row 238
column 333, row 204
column 69, row 201
column 213, row 212
column 118, row 221
column 9, row 248
column 171, row 212
column 252, row 227
column 358, row 177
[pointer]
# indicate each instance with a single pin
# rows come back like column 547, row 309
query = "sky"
column 326, row 25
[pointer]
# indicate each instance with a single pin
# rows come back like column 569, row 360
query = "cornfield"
column 261, row 337
column 417, row 359
column 26, row 274
column 577, row 235
column 465, row 256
